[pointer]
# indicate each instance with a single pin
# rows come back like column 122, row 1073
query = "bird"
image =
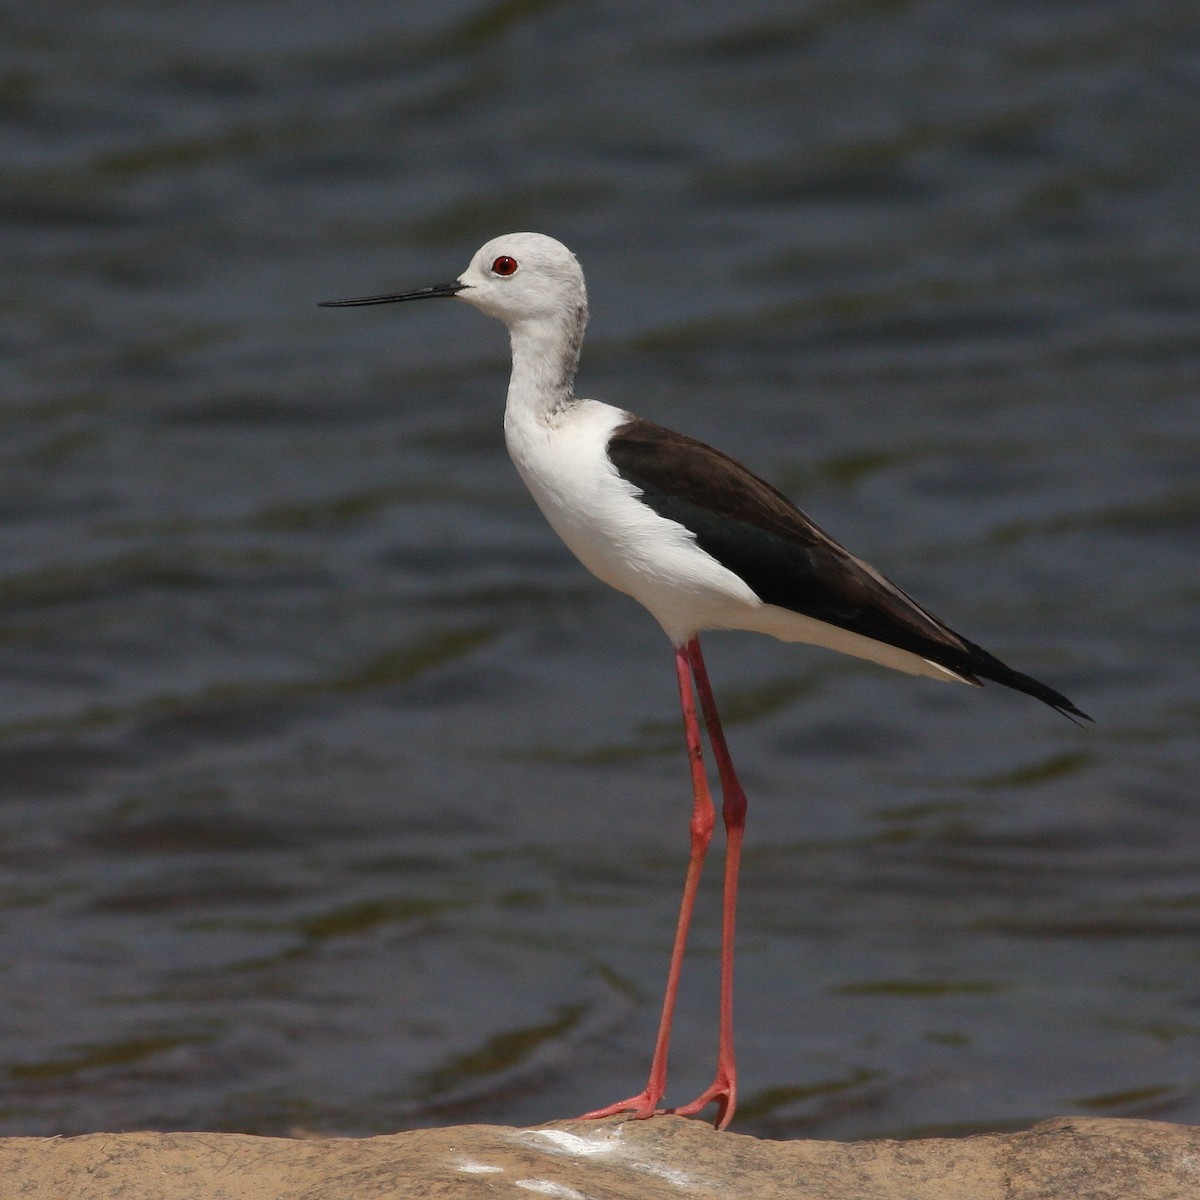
column 703, row 544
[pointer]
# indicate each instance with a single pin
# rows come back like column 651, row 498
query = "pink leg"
column 723, row 1089
column 645, row 1104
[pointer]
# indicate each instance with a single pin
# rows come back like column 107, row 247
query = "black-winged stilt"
column 700, row 542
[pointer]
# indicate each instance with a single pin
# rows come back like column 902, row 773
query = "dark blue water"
column 336, row 796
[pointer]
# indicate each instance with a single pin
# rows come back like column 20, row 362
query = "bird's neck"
column 545, row 353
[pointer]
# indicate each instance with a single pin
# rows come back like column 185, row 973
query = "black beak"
column 427, row 293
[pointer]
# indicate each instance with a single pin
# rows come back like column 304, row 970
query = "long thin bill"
column 428, row 293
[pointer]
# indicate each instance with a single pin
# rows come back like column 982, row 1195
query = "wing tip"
column 1073, row 714
column 984, row 666
column 998, row 672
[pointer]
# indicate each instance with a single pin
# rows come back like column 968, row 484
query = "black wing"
column 756, row 532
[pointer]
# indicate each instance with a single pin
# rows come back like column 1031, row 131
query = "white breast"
column 565, row 465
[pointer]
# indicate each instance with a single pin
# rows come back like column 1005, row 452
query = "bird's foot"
column 641, row 1106
column 723, row 1090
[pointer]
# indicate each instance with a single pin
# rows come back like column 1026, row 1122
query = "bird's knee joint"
column 701, row 826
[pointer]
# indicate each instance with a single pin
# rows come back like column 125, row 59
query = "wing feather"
column 755, row 531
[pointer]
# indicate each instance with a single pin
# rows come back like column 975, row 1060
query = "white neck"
column 545, row 353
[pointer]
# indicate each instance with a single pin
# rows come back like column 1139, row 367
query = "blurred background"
column 337, row 797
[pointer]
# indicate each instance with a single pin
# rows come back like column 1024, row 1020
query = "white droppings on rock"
column 469, row 1166
column 608, row 1141
column 547, row 1187
column 679, row 1179
column 561, row 1142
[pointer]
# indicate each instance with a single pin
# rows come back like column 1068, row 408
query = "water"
column 337, row 797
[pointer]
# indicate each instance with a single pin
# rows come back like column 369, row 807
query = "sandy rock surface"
column 1075, row 1158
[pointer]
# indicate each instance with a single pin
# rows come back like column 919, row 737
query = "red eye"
column 504, row 265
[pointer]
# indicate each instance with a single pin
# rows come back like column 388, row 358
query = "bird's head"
column 524, row 276
column 518, row 278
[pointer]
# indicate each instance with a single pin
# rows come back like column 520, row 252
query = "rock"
column 1071, row 1158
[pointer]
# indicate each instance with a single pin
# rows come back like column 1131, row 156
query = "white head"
column 524, row 276
column 519, row 277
